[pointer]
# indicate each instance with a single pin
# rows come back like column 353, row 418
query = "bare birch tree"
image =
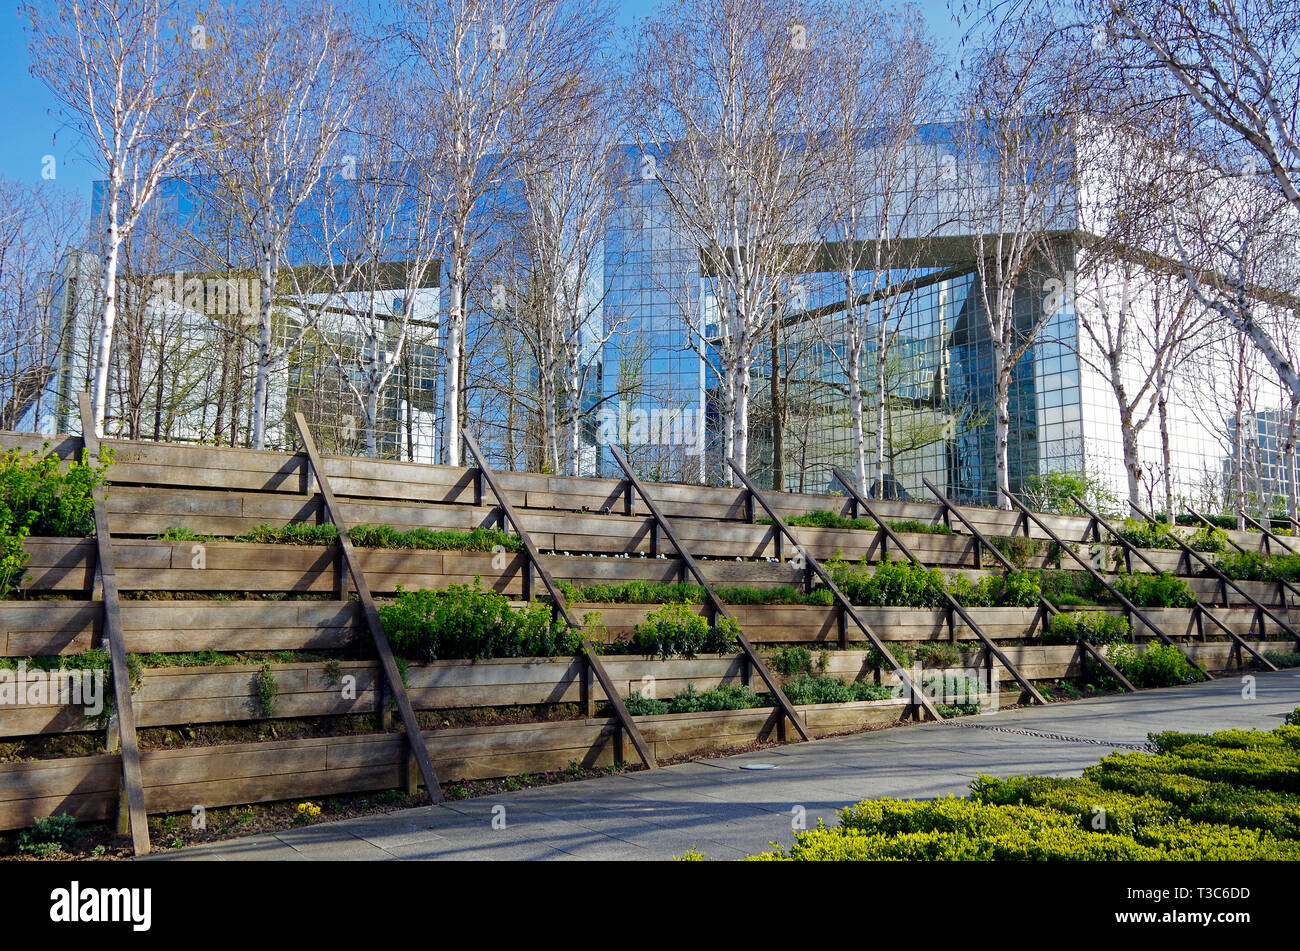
column 379, row 236
column 292, row 86
column 1016, row 166
column 490, row 70
column 128, row 74
column 39, row 224
column 881, row 70
column 727, row 98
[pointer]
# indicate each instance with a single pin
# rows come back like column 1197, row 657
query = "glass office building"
column 654, row 389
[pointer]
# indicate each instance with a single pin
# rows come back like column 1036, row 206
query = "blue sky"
column 33, row 130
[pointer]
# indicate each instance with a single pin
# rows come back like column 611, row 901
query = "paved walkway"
column 728, row 811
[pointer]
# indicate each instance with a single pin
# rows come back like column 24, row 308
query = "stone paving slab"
column 726, row 811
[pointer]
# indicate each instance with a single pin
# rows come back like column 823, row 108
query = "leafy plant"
column 478, row 539
column 40, row 497
column 1051, row 492
column 1095, row 627
column 824, row 518
column 1284, row 658
column 1017, row 549
column 1072, row 588
column 937, row 655
column 467, row 622
column 792, row 660
column 179, row 533
column 48, row 499
column 1256, row 566
column 904, row 584
column 827, row 519
column 640, row 706
column 661, row 592
column 1160, row 665
column 1155, row 590
column 1208, row 539
column 48, row 835
column 265, row 690
column 806, row 689
column 900, row 652
column 917, row 527
column 1019, row 589
column 675, row 630
column 1143, row 534
column 294, row 533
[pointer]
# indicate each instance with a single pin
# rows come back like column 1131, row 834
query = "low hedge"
column 1129, row 807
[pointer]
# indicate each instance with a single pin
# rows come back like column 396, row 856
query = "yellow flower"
column 302, row 807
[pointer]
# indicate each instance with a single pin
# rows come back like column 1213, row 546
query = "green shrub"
column 917, row 527
column 900, row 652
column 48, row 499
column 893, row 584
column 782, row 594
column 792, row 660
column 48, row 835
column 468, row 622
column 1201, row 800
column 675, row 630
column 1155, row 590
column 724, row 697
column 1051, row 493
column 1062, row 828
column 294, row 533
column 1095, row 627
column 1256, row 566
column 1081, row 798
column 1293, row 717
column 1069, row 588
column 1219, row 521
column 41, row 497
column 938, row 655
column 1017, row 549
column 1284, row 658
column 478, row 539
column 1015, row 589
column 265, row 689
column 1182, row 744
column 179, row 533
column 662, row 592
column 806, row 689
column 1143, row 534
column 13, row 556
column 1160, row 665
column 824, row 518
column 640, row 706
column 1264, row 768
column 1208, row 539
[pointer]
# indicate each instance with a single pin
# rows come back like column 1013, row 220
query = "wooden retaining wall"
column 599, row 531
column 178, row 779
